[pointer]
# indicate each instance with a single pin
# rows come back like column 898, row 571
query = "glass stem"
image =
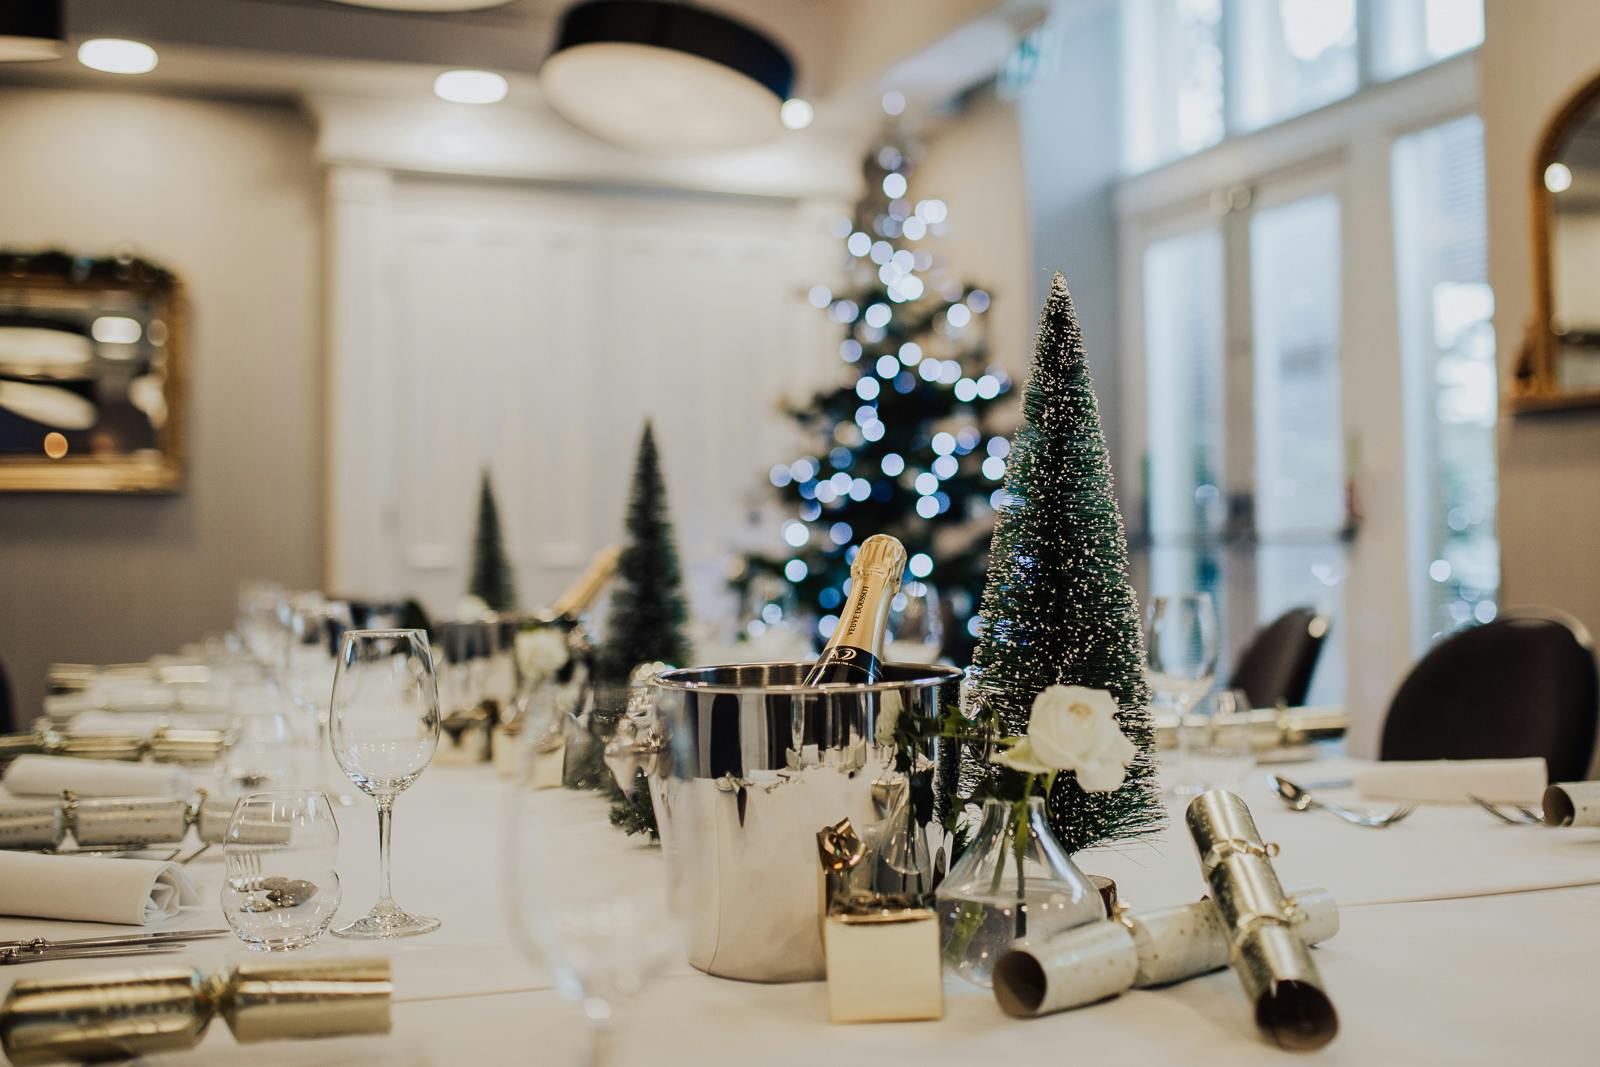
column 385, row 837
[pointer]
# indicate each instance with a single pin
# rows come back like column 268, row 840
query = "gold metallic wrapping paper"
column 87, row 1020
column 1272, row 962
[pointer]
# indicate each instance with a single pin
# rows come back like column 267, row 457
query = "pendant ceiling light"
column 31, row 30
column 426, row 6
column 663, row 76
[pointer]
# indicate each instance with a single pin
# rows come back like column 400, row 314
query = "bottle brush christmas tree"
column 491, row 582
column 648, row 614
column 1058, row 607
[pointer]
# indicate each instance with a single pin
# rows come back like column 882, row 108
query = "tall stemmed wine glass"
column 384, row 724
column 1180, row 649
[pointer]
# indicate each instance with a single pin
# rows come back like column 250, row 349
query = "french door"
column 1244, row 461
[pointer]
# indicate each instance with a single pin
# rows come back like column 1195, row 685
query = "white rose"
column 543, row 651
column 1073, row 729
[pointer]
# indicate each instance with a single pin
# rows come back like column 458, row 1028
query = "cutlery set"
column 40, row 949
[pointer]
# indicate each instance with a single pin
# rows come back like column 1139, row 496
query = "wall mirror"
column 91, row 387
column 1560, row 365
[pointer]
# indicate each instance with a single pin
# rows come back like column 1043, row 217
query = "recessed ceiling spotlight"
column 666, row 77
column 796, row 113
column 470, row 87
column 31, row 31
column 113, row 55
column 1558, row 177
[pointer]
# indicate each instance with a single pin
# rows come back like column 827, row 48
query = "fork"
column 1300, row 799
column 1525, row 815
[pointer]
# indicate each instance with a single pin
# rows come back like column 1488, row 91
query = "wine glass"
column 1180, row 650
column 281, row 854
column 311, row 655
column 384, row 723
column 916, row 626
column 1220, row 744
column 593, row 906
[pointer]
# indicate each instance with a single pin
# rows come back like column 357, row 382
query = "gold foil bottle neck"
column 882, row 556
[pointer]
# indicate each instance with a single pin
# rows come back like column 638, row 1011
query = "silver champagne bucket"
column 745, row 766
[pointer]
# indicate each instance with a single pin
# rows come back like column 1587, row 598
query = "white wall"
column 974, row 164
column 226, row 195
column 1536, row 53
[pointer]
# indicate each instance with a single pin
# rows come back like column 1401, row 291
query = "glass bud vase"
column 1002, row 891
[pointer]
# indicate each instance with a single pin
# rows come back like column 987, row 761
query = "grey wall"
column 1535, row 54
column 226, row 195
column 1072, row 153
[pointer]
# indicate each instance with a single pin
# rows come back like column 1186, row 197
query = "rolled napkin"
column 48, row 776
column 92, row 889
column 1572, row 804
column 1452, row 781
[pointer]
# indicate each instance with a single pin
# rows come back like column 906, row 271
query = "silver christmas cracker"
column 166, row 745
column 1272, row 962
column 104, row 822
column 1572, row 804
column 86, row 1020
column 1104, row 959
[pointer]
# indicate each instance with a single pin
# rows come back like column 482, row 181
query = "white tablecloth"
column 1457, row 977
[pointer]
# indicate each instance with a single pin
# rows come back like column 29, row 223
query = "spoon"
column 277, row 893
column 1300, row 799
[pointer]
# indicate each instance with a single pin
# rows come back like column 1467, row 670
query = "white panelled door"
column 530, row 331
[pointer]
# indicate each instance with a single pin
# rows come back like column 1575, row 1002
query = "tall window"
column 1184, row 338
column 1197, row 71
column 1289, row 56
column 1447, row 342
column 1299, row 426
column 1172, row 78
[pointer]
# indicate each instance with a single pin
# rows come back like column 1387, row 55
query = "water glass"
column 280, row 855
column 1180, row 648
column 1220, row 745
column 916, row 625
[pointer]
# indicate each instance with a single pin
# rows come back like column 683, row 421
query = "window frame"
column 1353, row 138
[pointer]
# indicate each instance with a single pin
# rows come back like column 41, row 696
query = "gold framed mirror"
column 91, row 374
column 1560, row 362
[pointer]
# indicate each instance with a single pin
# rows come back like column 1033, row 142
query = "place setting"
column 620, row 532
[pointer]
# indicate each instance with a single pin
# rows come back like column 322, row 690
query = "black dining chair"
column 1525, row 684
column 1277, row 665
column 7, row 722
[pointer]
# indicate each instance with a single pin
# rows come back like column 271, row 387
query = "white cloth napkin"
column 143, row 723
column 40, row 776
column 1445, row 781
column 93, row 889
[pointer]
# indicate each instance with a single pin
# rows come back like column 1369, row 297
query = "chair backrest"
column 1276, row 667
column 1525, row 684
column 7, row 724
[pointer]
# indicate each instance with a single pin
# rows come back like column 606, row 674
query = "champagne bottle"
column 854, row 651
column 581, row 593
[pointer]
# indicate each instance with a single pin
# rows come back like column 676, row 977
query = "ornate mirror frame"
column 1536, row 386
column 55, row 275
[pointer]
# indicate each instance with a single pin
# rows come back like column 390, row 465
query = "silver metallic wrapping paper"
column 1273, row 964
column 85, row 1020
column 108, row 821
column 166, row 745
column 32, row 824
column 1572, row 804
column 1100, row 960
column 103, row 822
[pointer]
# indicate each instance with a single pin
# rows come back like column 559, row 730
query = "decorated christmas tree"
column 1058, row 607
column 648, row 619
column 491, row 582
column 903, row 442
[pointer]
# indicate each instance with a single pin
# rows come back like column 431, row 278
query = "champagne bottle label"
column 854, row 652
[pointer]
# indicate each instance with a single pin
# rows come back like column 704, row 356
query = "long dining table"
column 1462, row 940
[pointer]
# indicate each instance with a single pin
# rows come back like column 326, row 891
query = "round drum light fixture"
column 666, row 77
column 113, row 55
column 31, row 30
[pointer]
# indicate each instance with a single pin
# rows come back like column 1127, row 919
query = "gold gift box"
column 883, row 966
